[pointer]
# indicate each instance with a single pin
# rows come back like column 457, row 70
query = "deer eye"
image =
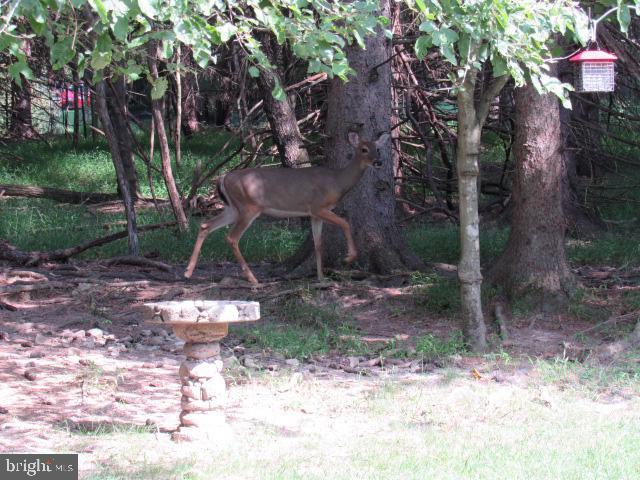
column 364, row 150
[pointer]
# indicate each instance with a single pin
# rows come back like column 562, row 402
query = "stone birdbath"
column 201, row 324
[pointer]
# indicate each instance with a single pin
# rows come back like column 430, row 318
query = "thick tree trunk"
column 533, row 265
column 363, row 105
column 157, row 108
column 114, row 141
column 469, row 274
column 281, row 114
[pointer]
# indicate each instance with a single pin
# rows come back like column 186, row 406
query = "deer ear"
column 382, row 139
column 354, row 139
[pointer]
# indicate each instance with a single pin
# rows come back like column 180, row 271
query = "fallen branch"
column 31, row 287
column 139, row 262
column 12, row 254
column 58, row 194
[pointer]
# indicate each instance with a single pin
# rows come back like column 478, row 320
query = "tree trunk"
column 21, row 125
column 363, row 105
column 190, row 124
column 117, row 109
column 533, row 265
column 281, row 114
column 163, row 143
column 114, row 141
column 469, row 273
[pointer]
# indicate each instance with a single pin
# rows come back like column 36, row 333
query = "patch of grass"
column 610, row 249
column 301, row 327
column 592, row 376
column 441, row 296
column 442, row 244
column 586, row 305
column 431, row 347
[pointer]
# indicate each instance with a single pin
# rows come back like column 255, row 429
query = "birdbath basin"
column 201, row 324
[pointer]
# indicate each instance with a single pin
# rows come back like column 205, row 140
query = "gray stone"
column 249, row 362
column 293, row 362
column 353, row 362
column 200, row 369
column 201, row 351
column 192, row 391
column 156, row 340
column 214, row 418
column 40, row 339
column 95, row 333
column 201, row 311
column 214, row 387
column 192, row 405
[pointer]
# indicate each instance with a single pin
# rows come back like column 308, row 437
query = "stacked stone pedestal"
column 201, row 325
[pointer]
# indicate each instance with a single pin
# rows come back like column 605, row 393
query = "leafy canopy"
column 97, row 34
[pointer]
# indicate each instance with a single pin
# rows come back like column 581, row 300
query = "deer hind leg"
column 330, row 217
column 245, row 219
column 316, row 230
column 227, row 217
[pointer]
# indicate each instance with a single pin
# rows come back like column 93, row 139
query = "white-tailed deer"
column 286, row 192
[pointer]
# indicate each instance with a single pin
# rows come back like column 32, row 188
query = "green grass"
column 378, row 429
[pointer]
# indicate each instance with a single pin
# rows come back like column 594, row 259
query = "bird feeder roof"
column 593, row 56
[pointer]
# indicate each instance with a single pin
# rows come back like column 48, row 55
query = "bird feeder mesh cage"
column 594, row 77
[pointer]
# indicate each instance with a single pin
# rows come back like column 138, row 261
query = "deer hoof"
column 187, row 274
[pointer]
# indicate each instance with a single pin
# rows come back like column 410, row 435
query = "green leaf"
column 150, row 8
column 422, row 46
column 159, row 88
column 226, row 31
column 278, row 92
column 21, row 67
column 254, row 72
column 624, row 17
column 121, row 28
column 62, row 53
column 99, row 7
column 499, row 66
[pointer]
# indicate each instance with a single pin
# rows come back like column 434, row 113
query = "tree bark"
column 190, row 124
column 533, row 265
column 469, row 273
column 157, row 108
column 281, row 114
column 363, row 105
column 114, row 142
column 21, row 125
column 117, row 111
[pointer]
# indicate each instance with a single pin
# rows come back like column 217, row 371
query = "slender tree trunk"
column 363, row 105
column 117, row 103
column 533, row 265
column 114, row 146
column 21, row 125
column 157, row 108
column 76, row 103
column 469, row 273
column 281, row 114
column 190, row 124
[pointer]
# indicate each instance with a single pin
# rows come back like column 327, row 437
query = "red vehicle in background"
column 66, row 95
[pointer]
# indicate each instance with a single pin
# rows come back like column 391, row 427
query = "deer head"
column 368, row 153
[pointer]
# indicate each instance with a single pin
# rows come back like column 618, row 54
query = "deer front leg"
column 225, row 218
column 244, row 221
column 330, row 217
column 316, row 230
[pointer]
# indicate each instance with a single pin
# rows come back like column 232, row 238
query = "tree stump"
column 201, row 324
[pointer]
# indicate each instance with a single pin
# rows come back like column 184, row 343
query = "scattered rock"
column 200, row 369
column 4, row 336
column 231, row 362
column 148, row 365
column 374, row 362
column 3, row 411
column 293, row 362
column 249, row 362
column 146, row 333
column 26, row 344
column 36, row 354
column 353, row 362
column 95, row 333
column 30, row 375
column 156, row 340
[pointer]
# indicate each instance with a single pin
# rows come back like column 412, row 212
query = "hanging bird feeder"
column 594, row 71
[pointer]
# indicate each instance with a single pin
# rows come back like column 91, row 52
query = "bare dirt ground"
column 75, row 355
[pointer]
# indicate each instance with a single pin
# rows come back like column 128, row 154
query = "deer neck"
column 349, row 175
